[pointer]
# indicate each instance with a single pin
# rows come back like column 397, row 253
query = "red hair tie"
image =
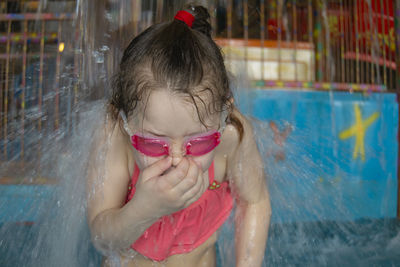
column 185, row 16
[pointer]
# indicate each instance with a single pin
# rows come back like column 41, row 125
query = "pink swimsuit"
column 184, row 230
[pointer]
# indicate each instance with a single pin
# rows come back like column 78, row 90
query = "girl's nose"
column 176, row 153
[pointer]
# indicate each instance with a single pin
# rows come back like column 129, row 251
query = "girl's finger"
column 157, row 168
column 197, row 190
column 194, row 198
column 175, row 175
column 191, row 179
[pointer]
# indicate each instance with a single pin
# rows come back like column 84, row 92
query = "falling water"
column 310, row 178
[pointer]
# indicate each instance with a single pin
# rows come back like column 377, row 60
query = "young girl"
column 179, row 155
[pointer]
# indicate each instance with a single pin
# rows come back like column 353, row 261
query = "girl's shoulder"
column 110, row 140
column 236, row 132
column 244, row 164
column 119, row 141
column 237, row 140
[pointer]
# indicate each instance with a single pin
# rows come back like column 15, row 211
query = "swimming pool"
column 292, row 244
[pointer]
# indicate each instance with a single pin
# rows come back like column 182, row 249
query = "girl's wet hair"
column 172, row 56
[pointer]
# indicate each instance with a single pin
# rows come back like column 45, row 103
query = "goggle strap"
column 125, row 120
column 224, row 117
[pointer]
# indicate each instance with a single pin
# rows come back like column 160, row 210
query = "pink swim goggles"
column 196, row 145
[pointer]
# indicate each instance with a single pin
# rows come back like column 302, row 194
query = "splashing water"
column 59, row 235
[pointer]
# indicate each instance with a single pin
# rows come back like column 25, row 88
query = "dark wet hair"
column 173, row 56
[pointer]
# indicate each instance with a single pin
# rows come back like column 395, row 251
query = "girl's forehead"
column 165, row 112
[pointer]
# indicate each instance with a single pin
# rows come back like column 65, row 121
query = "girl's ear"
column 226, row 113
column 230, row 103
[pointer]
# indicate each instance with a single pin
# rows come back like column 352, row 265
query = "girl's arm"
column 114, row 227
column 245, row 169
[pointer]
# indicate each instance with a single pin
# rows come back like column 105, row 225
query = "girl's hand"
column 163, row 189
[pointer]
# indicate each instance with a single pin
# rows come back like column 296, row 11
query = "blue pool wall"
column 320, row 178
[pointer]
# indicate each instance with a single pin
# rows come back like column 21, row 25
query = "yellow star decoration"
column 358, row 130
